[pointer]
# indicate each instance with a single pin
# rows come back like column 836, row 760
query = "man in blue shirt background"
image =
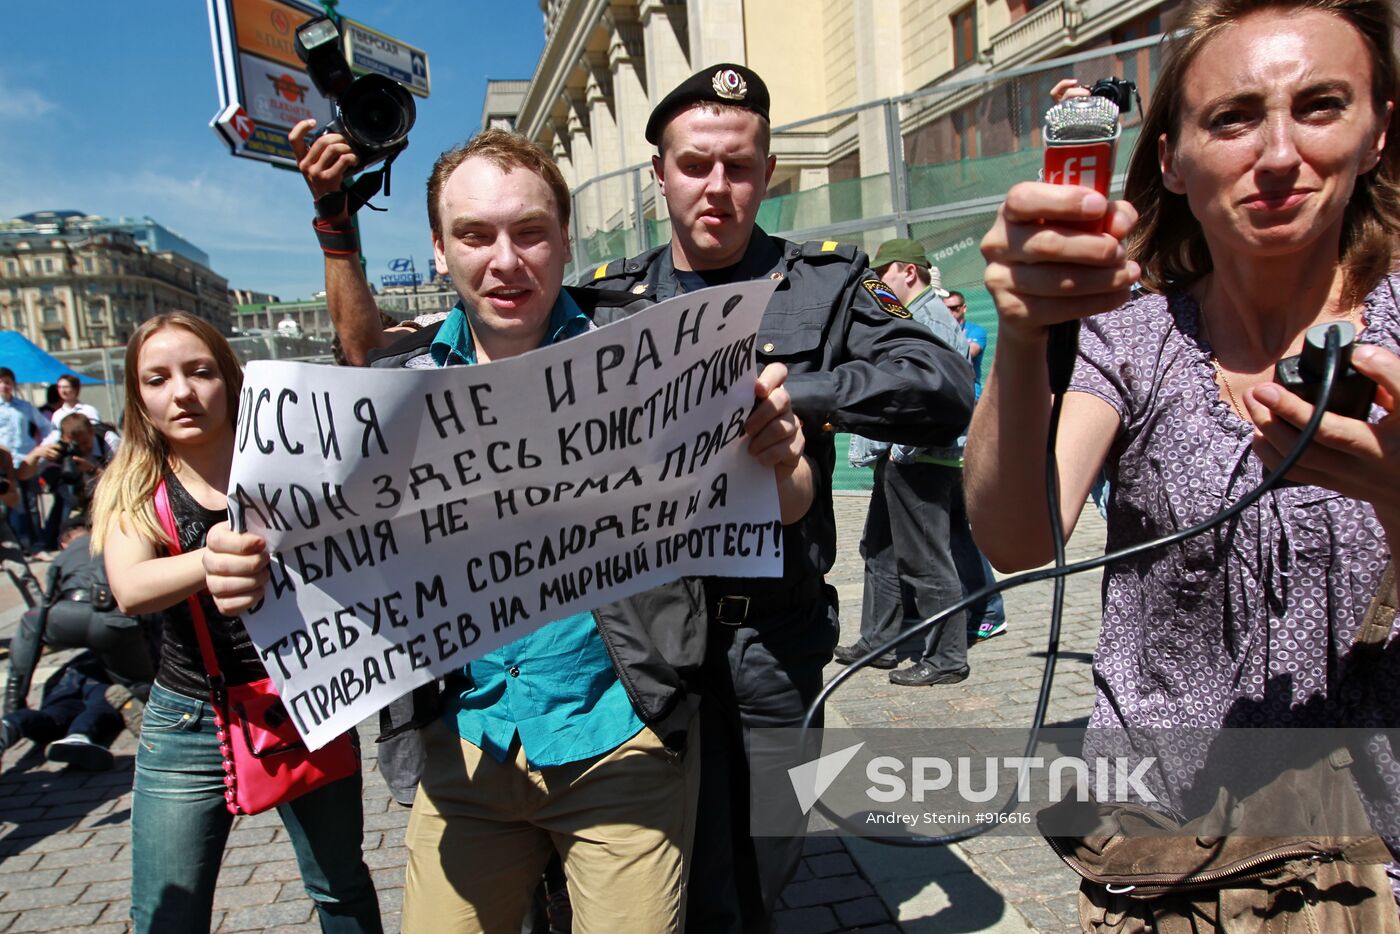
column 986, row 618
column 976, row 336
column 909, row 527
column 20, row 421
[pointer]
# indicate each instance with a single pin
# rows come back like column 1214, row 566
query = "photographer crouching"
column 77, row 610
column 76, row 460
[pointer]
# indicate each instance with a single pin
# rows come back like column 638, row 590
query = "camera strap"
column 367, row 186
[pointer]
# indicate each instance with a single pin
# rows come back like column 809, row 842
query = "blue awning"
column 32, row 365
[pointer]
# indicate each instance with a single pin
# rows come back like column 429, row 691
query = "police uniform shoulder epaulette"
column 590, row 299
column 828, row 249
column 628, row 267
column 608, row 270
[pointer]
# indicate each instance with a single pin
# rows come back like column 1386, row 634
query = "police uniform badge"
column 886, row 298
column 729, row 84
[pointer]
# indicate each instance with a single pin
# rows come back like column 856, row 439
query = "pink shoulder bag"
column 265, row 761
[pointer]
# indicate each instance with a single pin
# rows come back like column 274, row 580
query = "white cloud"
column 17, row 103
column 253, row 221
column 226, row 207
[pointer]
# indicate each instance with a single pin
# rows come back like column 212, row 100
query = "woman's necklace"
column 1229, row 390
column 1225, row 378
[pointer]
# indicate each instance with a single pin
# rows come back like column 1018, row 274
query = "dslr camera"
column 372, row 112
column 69, row 472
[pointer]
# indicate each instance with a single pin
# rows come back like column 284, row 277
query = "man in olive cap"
column 917, row 498
column 856, row 361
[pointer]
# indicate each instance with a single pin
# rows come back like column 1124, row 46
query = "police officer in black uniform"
column 856, row 362
column 79, row 612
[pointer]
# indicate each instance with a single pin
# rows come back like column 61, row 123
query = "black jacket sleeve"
column 888, row 378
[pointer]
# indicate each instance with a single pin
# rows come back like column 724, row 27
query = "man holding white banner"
column 578, row 736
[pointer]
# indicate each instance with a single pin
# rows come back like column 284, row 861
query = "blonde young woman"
column 182, row 387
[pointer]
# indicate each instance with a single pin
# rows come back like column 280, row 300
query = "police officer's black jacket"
column 856, row 362
column 76, row 569
column 656, row 639
column 77, row 592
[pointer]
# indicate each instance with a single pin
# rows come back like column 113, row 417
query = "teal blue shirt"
column 556, row 687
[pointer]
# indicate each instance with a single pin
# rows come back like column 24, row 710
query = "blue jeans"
column 75, row 703
column 65, row 503
column 179, row 825
column 24, row 518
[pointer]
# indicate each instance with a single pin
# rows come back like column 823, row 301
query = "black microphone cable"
column 1058, row 572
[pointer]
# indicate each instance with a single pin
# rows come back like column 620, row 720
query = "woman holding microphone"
column 1262, row 200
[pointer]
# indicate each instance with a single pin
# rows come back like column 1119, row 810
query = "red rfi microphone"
column 1081, row 139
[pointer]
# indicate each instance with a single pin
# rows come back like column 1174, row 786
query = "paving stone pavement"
column 1019, row 883
column 65, row 860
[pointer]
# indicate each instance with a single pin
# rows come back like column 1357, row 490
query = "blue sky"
column 105, row 108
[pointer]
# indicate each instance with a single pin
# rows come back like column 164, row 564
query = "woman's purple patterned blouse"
column 1250, row 625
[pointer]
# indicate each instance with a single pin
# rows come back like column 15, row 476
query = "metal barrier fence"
column 108, row 364
column 957, row 148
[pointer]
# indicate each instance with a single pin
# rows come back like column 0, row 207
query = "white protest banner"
column 418, row 519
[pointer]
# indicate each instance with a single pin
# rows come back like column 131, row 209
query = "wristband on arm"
column 338, row 238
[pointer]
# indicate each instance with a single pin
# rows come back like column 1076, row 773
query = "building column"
column 627, row 64
column 876, row 38
column 718, row 35
column 667, row 46
column 563, row 156
column 607, row 145
column 560, row 153
column 627, row 60
column 586, row 203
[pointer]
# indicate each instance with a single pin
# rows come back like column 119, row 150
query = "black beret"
column 725, row 83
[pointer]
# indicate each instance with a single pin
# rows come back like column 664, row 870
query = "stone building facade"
column 606, row 62
column 70, row 281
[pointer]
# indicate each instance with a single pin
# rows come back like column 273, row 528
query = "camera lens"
column 377, row 112
column 1118, row 90
column 378, row 119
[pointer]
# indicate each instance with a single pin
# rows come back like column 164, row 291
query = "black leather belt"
column 734, row 601
column 78, row 595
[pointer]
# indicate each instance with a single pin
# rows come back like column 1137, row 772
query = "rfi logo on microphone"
column 1087, row 164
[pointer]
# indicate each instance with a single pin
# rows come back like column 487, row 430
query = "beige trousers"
column 482, row 832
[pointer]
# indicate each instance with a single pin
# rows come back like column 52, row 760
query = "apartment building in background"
column 74, row 281
column 607, row 62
